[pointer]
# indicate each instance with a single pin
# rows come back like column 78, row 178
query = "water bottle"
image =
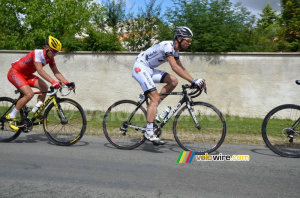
column 37, row 106
column 165, row 112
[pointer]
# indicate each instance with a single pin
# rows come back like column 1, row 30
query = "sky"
column 254, row 6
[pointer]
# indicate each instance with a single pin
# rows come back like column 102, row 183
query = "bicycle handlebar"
column 53, row 91
column 196, row 92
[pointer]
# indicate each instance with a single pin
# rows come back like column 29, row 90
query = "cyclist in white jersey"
column 145, row 73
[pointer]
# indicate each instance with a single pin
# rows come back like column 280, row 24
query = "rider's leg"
column 28, row 95
column 170, row 86
column 151, row 111
column 144, row 76
column 42, row 86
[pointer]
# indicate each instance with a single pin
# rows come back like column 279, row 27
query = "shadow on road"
column 265, row 151
column 41, row 137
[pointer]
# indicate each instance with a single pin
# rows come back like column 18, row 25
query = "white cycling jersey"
column 157, row 54
column 143, row 69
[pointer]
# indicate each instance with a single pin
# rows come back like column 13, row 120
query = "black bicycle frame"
column 185, row 99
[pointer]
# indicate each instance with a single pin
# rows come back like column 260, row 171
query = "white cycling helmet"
column 183, row 32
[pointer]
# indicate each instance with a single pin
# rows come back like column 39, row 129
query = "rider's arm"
column 179, row 69
column 58, row 75
column 180, row 64
column 41, row 72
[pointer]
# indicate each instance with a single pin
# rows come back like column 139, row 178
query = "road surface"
column 33, row 167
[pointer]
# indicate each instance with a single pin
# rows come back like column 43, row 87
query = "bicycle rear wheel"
column 281, row 132
column 116, row 121
column 205, row 140
column 66, row 125
column 6, row 133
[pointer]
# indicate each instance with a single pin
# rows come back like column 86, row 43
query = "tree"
column 115, row 12
column 218, row 25
column 290, row 22
column 140, row 33
column 11, row 23
column 101, row 41
column 36, row 19
column 268, row 17
column 267, row 31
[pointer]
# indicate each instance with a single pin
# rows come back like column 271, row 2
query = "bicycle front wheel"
column 281, row 130
column 206, row 139
column 6, row 133
column 119, row 122
column 64, row 124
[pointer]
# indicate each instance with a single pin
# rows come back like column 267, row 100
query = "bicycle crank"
column 157, row 130
column 26, row 125
column 290, row 133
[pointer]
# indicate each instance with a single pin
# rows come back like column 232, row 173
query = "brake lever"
column 72, row 85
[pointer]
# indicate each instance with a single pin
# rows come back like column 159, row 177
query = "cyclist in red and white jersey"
column 22, row 77
column 145, row 73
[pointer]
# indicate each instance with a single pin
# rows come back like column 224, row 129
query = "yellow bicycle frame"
column 51, row 98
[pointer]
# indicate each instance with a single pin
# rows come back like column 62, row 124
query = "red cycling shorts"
column 19, row 80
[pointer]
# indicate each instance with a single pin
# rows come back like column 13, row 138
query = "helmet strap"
column 179, row 42
column 47, row 50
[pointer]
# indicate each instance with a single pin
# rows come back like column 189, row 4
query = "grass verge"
column 240, row 130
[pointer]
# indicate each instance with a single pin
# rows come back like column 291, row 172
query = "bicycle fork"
column 60, row 112
column 191, row 110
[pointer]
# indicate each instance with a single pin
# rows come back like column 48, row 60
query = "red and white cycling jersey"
column 25, row 65
column 21, row 72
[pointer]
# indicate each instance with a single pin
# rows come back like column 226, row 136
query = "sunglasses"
column 189, row 40
column 54, row 51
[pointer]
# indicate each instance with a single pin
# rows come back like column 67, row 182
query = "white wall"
column 244, row 84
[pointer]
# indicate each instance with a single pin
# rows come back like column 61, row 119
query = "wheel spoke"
column 114, row 124
column 6, row 133
column 72, row 129
column 279, row 130
column 204, row 140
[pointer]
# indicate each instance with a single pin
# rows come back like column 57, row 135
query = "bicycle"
column 125, row 122
column 280, row 130
column 64, row 121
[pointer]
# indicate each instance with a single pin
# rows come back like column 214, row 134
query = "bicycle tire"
column 64, row 132
column 211, row 135
column 275, row 128
column 6, row 133
column 114, row 118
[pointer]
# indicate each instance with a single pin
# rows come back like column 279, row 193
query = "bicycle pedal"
column 24, row 128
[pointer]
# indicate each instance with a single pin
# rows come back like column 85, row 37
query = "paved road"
column 33, row 167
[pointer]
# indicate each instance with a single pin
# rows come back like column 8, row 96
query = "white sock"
column 14, row 113
column 149, row 129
